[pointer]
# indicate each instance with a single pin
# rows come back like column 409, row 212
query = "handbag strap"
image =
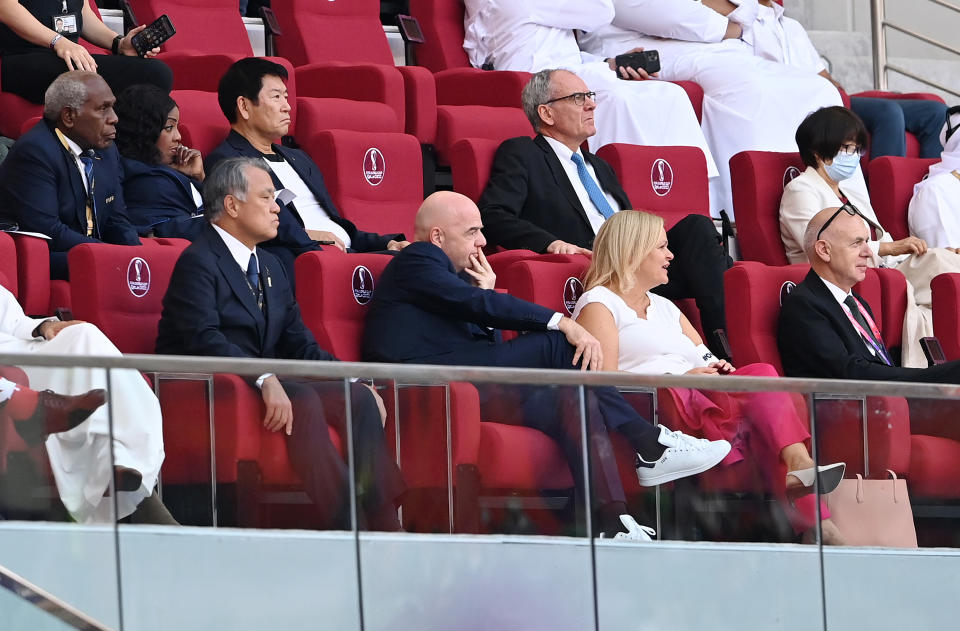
column 893, row 475
column 859, row 489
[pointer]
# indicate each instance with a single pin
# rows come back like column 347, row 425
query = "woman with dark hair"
column 162, row 178
column 39, row 40
column 831, row 141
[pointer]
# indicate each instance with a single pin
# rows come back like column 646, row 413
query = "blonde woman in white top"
column 644, row 333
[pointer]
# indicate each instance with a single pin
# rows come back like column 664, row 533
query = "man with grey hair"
column 63, row 177
column 548, row 195
column 230, row 298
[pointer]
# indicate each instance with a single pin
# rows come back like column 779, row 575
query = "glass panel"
column 483, row 464
column 56, row 502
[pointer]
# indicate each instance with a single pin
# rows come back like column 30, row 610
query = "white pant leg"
column 642, row 112
column 81, row 458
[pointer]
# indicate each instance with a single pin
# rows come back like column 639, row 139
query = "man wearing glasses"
column 548, row 195
column 532, row 35
column 828, row 331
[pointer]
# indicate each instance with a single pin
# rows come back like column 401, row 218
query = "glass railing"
column 425, row 497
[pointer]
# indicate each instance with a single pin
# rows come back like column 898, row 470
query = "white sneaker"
column 635, row 532
column 684, row 456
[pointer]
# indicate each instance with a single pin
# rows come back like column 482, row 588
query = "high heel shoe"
column 829, row 477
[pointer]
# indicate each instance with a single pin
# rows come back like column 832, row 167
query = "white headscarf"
column 950, row 158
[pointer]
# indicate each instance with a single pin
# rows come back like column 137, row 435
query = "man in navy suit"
column 63, row 177
column 230, row 298
column 435, row 303
column 539, row 198
column 253, row 96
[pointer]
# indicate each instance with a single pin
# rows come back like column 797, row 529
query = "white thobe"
column 81, row 458
column 808, row 193
column 749, row 104
column 934, row 212
column 538, row 34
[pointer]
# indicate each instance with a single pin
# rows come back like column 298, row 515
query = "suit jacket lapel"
column 76, row 182
column 560, row 176
column 819, row 289
column 236, row 279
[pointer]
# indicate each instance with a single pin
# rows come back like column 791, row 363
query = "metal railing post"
column 877, row 19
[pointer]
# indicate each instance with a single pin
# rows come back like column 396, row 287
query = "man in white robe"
column 749, row 103
column 934, row 212
column 539, row 34
column 81, row 457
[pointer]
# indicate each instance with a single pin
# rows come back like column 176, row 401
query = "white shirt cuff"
column 554, row 323
column 263, row 378
column 705, row 355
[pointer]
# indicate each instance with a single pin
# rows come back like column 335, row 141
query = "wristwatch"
column 115, row 46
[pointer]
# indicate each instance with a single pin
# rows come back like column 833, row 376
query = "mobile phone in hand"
column 157, row 33
column 647, row 60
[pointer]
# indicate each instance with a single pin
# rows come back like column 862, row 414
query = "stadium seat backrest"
column 209, row 26
column 553, row 284
column 669, row 181
column 442, row 24
column 375, row 180
column 331, row 31
column 8, row 264
column 455, row 122
column 120, row 289
column 202, row 124
column 891, row 186
column 334, row 291
column 470, row 162
column 758, row 178
column 946, row 317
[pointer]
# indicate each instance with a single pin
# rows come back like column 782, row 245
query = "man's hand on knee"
column 588, row 351
column 279, row 409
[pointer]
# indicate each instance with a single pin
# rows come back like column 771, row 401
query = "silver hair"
column 537, row 92
column 67, row 90
column 228, row 177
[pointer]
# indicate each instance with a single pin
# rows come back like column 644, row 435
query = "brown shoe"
column 59, row 412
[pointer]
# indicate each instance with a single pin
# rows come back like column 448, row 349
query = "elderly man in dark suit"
column 546, row 194
column 435, row 304
column 230, row 298
column 825, row 329
column 63, row 177
column 253, row 96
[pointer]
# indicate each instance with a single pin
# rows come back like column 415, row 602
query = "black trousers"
column 29, row 74
column 318, row 405
column 697, row 271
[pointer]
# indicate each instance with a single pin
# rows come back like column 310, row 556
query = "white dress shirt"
column 570, row 168
column 841, row 295
column 313, row 214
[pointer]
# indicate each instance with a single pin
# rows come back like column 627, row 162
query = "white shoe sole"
column 663, row 478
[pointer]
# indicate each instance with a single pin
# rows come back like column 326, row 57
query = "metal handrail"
column 878, row 22
column 433, row 374
column 45, row 601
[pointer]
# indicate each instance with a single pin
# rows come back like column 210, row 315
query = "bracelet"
column 115, row 46
column 56, row 38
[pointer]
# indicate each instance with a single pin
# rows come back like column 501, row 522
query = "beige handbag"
column 873, row 512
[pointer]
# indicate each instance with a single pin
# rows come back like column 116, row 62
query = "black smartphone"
column 157, row 33
column 932, row 349
column 648, row 60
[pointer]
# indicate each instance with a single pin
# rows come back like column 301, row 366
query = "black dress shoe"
column 126, row 479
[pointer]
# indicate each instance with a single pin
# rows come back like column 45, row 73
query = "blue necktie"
column 593, row 191
column 253, row 275
column 87, row 160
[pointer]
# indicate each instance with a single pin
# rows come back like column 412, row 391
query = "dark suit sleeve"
column 811, row 347
column 118, row 228
column 31, row 181
column 502, row 203
column 296, row 341
column 429, row 285
column 191, row 315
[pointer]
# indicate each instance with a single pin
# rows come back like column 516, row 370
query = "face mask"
column 843, row 167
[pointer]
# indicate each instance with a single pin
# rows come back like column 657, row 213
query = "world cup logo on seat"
column 374, row 166
column 362, row 285
column 138, row 277
column 572, row 290
column 785, row 290
column 789, row 174
column 661, row 177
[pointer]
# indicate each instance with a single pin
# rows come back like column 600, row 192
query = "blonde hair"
column 622, row 242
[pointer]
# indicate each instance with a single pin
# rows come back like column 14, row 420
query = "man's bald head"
column 451, row 221
column 842, row 253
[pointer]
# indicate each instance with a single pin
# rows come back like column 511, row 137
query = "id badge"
column 65, row 23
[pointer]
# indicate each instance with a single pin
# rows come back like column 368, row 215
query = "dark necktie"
column 86, row 159
column 851, row 303
column 593, row 190
column 253, row 277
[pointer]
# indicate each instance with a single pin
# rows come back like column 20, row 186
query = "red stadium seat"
column 945, row 289
column 202, row 124
column 753, row 298
column 758, row 180
column 8, row 264
column 669, row 181
column 891, row 187
column 342, row 44
column 38, row 295
column 124, row 300
column 457, row 122
column 375, row 180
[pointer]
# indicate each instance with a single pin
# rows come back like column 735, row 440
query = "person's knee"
column 158, row 73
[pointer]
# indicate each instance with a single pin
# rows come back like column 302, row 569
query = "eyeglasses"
column 579, row 98
column 853, row 211
column 851, row 149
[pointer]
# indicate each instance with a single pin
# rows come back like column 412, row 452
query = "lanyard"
column 874, row 341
